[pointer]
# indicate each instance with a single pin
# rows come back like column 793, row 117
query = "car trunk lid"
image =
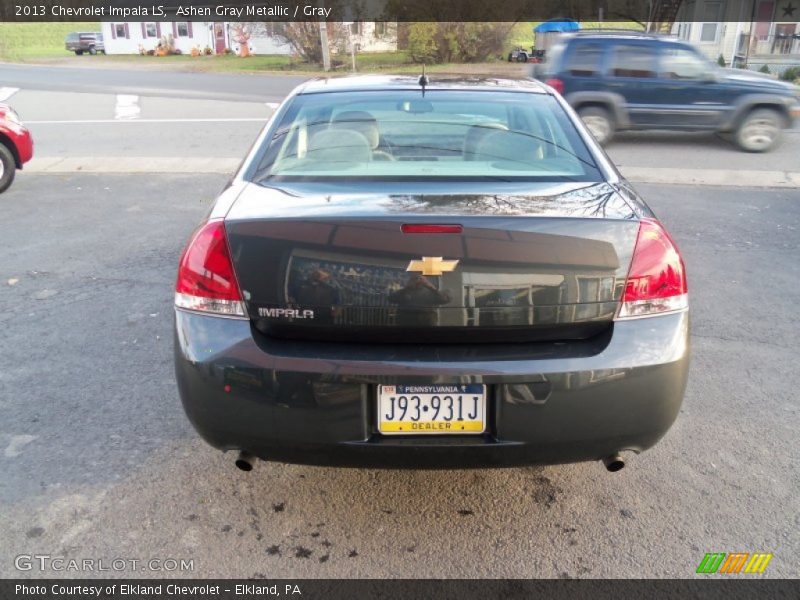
column 517, row 268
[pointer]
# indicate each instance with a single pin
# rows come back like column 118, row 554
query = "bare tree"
column 304, row 39
column 241, row 34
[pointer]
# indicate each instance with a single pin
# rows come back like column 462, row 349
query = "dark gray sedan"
column 430, row 274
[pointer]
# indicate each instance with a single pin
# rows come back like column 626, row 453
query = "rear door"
column 581, row 71
column 632, row 72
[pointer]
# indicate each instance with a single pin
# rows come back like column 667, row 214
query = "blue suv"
column 618, row 81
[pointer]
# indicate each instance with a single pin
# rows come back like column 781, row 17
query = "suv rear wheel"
column 599, row 122
column 759, row 131
column 7, row 168
column 92, row 50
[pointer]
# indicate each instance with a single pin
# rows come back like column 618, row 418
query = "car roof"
column 653, row 38
column 359, row 83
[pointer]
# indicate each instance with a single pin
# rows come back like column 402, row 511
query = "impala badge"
column 432, row 265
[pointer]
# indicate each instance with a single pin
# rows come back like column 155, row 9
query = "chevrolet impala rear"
column 420, row 274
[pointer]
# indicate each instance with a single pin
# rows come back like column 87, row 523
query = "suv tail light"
column 556, row 84
column 656, row 281
column 206, row 280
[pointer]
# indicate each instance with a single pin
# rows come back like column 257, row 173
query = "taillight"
column 657, row 278
column 206, row 281
column 556, row 84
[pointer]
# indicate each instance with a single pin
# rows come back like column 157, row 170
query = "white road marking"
column 101, row 121
column 17, row 443
column 127, row 107
column 7, row 92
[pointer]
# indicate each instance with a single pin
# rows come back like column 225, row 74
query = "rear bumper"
column 314, row 403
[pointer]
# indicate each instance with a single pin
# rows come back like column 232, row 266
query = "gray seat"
column 476, row 134
column 337, row 145
column 365, row 124
column 516, row 150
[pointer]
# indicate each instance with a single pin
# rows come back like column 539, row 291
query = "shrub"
column 207, row 51
column 454, row 41
column 791, row 74
column 764, row 69
column 721, row 60
column 422, row 46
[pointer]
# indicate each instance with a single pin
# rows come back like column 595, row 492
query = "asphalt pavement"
column 152, row 82
column 97, row 460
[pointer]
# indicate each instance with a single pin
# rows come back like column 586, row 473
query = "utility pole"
column 323, row 40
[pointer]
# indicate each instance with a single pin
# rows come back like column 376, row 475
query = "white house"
column 749, row 32
column 131, row 38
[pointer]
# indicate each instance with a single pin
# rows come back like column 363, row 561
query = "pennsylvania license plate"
column 431, row 409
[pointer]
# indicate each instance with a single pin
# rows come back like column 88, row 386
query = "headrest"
column 360, row 121
column 339, row 145
column 517, row 149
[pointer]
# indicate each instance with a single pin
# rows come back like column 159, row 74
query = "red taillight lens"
column 430, row 228
column 206, row 281
column 556, row 84
column 657, row 278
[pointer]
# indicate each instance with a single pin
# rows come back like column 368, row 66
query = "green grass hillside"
column 31, row 41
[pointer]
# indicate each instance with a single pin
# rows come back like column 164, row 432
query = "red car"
column 16, row 145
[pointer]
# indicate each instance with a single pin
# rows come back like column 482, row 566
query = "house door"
column 219, row 38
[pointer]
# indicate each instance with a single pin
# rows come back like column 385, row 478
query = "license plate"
column 431, row 409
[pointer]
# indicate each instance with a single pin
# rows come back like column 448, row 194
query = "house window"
column 764, row 14
column 712, row 25
column 784, row 38
column 380, row 29
column 355, row 28
column 150, row 30
column 182, row 29
column 119, row 30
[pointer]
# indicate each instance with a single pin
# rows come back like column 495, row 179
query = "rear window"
column 402, row 135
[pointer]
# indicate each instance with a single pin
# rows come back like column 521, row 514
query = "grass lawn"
column 34, row 41
column 382, row 62
column 378, row 61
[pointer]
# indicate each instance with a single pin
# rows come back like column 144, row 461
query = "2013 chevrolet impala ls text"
column 414, row 273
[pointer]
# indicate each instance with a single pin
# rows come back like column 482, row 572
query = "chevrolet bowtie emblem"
column 432, row 265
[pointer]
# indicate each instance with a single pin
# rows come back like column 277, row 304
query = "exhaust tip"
column 244, row 462
column 614, row 463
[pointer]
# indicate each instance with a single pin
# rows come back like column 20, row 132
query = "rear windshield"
column 443, row 135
